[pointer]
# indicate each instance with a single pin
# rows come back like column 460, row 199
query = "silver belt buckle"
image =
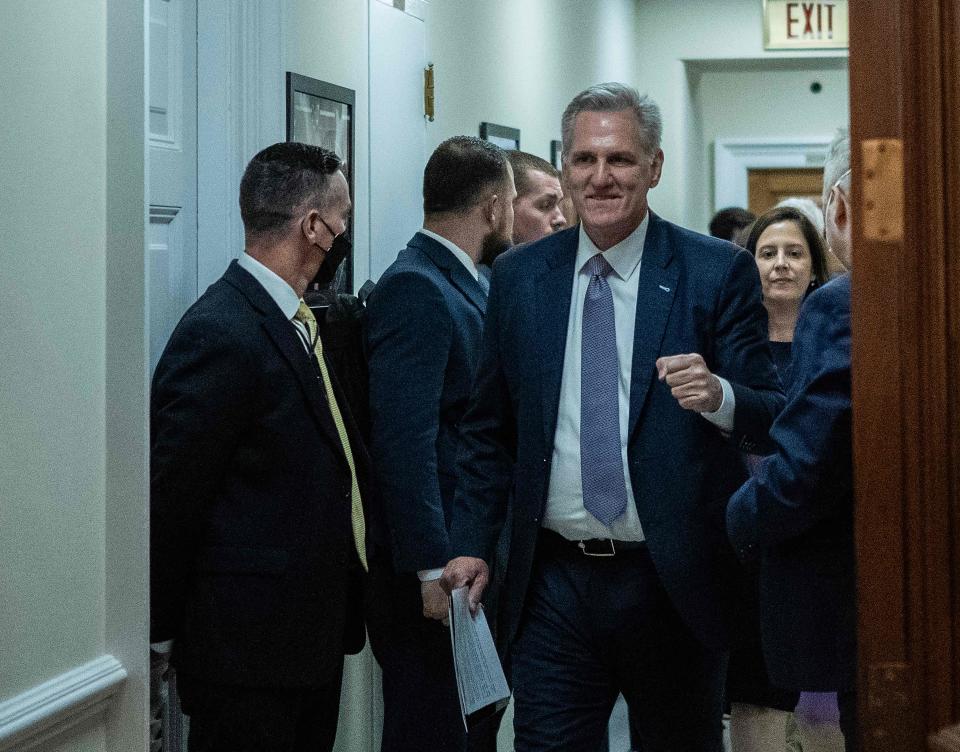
column 604, row 554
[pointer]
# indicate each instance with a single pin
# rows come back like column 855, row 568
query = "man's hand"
column 691, row 382
column 435, row 600
column 470, row 572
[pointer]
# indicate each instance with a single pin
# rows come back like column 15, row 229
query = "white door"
column 172, row 167
column 171, row 273
column 398, row 131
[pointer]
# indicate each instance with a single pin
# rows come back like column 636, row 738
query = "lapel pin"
column 665, row 289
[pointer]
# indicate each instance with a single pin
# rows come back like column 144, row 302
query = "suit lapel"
column 282, row 333
column 553, row 289
column 656, row 291
column 455, row 271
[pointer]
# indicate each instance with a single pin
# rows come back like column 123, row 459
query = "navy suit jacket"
column 253, row 568
column 796, row 513
column 696, row 295
column 422, row 337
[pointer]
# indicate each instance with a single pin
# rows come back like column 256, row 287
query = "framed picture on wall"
column 502, row 135
column 556, row 154
column 322, row 114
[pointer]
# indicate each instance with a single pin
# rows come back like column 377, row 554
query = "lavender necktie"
column 601, row 465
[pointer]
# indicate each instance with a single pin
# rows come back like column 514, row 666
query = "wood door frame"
column 906, row 371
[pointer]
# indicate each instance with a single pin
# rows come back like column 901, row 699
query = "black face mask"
column 335, row 256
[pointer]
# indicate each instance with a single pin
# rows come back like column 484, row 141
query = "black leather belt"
column 551, row 542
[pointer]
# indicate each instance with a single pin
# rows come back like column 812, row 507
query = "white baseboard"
column 54, row 706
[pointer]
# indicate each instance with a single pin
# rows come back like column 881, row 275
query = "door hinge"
column 428, row 91
column 883, row 190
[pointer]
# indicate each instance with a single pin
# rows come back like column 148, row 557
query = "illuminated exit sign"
column 789, row 25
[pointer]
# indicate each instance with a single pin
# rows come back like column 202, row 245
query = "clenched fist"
column 691, row 382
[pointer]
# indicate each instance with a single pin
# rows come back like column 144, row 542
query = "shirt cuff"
column 723, row 417
column 428, row 575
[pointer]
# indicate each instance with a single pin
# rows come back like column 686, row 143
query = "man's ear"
column 657, row 168
column 310, row 226
column 842, row 210
column 492, row 206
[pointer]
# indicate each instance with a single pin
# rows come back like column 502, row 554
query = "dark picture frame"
column 502, row 135
column 556, row 154
column 323, row 114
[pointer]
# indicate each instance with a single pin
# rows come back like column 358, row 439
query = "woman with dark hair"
column 791, row 258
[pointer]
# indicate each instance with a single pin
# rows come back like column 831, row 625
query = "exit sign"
column 789, row 25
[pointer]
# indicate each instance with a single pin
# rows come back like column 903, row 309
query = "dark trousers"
column 242, row 719
column 596, row 627
column 421, row 710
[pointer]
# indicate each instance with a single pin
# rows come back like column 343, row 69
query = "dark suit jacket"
column 253, row 566
column 796, row 513
column 422, row 332
column 696, row 294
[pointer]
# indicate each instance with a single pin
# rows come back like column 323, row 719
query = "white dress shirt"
column 462, row 256
column 277, row 288
column 565, row 513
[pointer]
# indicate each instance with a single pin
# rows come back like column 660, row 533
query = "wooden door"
column 905, row 89
column 769, row 186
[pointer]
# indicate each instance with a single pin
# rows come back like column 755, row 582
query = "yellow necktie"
column 305, row 315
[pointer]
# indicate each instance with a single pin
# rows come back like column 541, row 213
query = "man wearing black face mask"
column 422, row 335
column 259, row 480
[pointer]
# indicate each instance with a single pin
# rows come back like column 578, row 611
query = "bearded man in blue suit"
column 622, row 364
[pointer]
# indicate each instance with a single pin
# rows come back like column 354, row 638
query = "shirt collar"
column 282, row 294
column 461, row 255
column 624, row 257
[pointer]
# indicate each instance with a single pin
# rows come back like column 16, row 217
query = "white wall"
column 763, row 100
column 519, row 64
column 52, row 342
column 55, row 370
column 674, row 38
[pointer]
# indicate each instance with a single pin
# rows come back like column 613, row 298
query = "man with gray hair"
column 796, row 513
column 622, row 363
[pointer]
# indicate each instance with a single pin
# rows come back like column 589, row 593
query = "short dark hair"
column 280, row 179
column 522, row 163
column 727, row 222
column 815, row 241
column 459, row 171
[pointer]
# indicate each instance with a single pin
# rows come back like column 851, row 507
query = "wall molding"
column 735, row 157
column 56, row 705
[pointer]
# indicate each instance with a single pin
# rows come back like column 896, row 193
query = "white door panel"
column 172, row 190
column 398, row 134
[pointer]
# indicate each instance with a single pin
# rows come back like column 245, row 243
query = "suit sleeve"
column 742, row 354
column 802, row 482
column 202, row 389
column 409, row 331
column 488, row 443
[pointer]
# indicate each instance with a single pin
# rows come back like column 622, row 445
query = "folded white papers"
column 481, row 685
